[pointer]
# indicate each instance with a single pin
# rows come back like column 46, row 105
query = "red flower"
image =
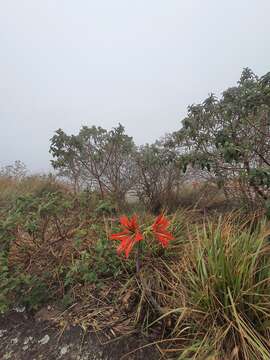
column 159, row 228
column 129, row 236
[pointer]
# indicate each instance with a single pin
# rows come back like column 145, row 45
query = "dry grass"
column 11, row 188
column 205, row 297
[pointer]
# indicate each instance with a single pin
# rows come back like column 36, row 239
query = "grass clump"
column 226, row 277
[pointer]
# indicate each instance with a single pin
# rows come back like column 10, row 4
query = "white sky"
column 69, row 63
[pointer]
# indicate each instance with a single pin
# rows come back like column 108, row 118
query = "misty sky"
column 69, row 63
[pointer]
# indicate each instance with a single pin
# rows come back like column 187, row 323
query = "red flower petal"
column 119, row 236
column 129, row 236
column 129, row 247
column 160, row 230
column 123, row 245
column 124, row 221
column 138, row 237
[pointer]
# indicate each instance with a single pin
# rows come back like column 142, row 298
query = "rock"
column 14, row 341
column 64, row 350
column 2, row 332
column 19, row 309
column 27, row 340
column 44, row 340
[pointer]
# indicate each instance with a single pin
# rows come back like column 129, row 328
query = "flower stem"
column 138, row 258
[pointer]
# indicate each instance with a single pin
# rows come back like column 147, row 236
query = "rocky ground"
column 27, row 337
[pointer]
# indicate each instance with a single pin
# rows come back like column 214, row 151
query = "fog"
column 141, row 63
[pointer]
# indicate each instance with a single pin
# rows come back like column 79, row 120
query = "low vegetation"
column 187, row 263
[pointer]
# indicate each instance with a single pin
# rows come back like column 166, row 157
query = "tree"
column 230, row 136
column 158, row 175
column 17, row 170
column 97, row 157
column 65, row 153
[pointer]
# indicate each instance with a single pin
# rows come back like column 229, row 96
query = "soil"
column 27, row 337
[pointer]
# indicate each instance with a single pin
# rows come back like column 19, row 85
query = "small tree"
column 65, row 153
column 158, row 175
column 17, row 170
column 230, row 137
column 99, row 158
